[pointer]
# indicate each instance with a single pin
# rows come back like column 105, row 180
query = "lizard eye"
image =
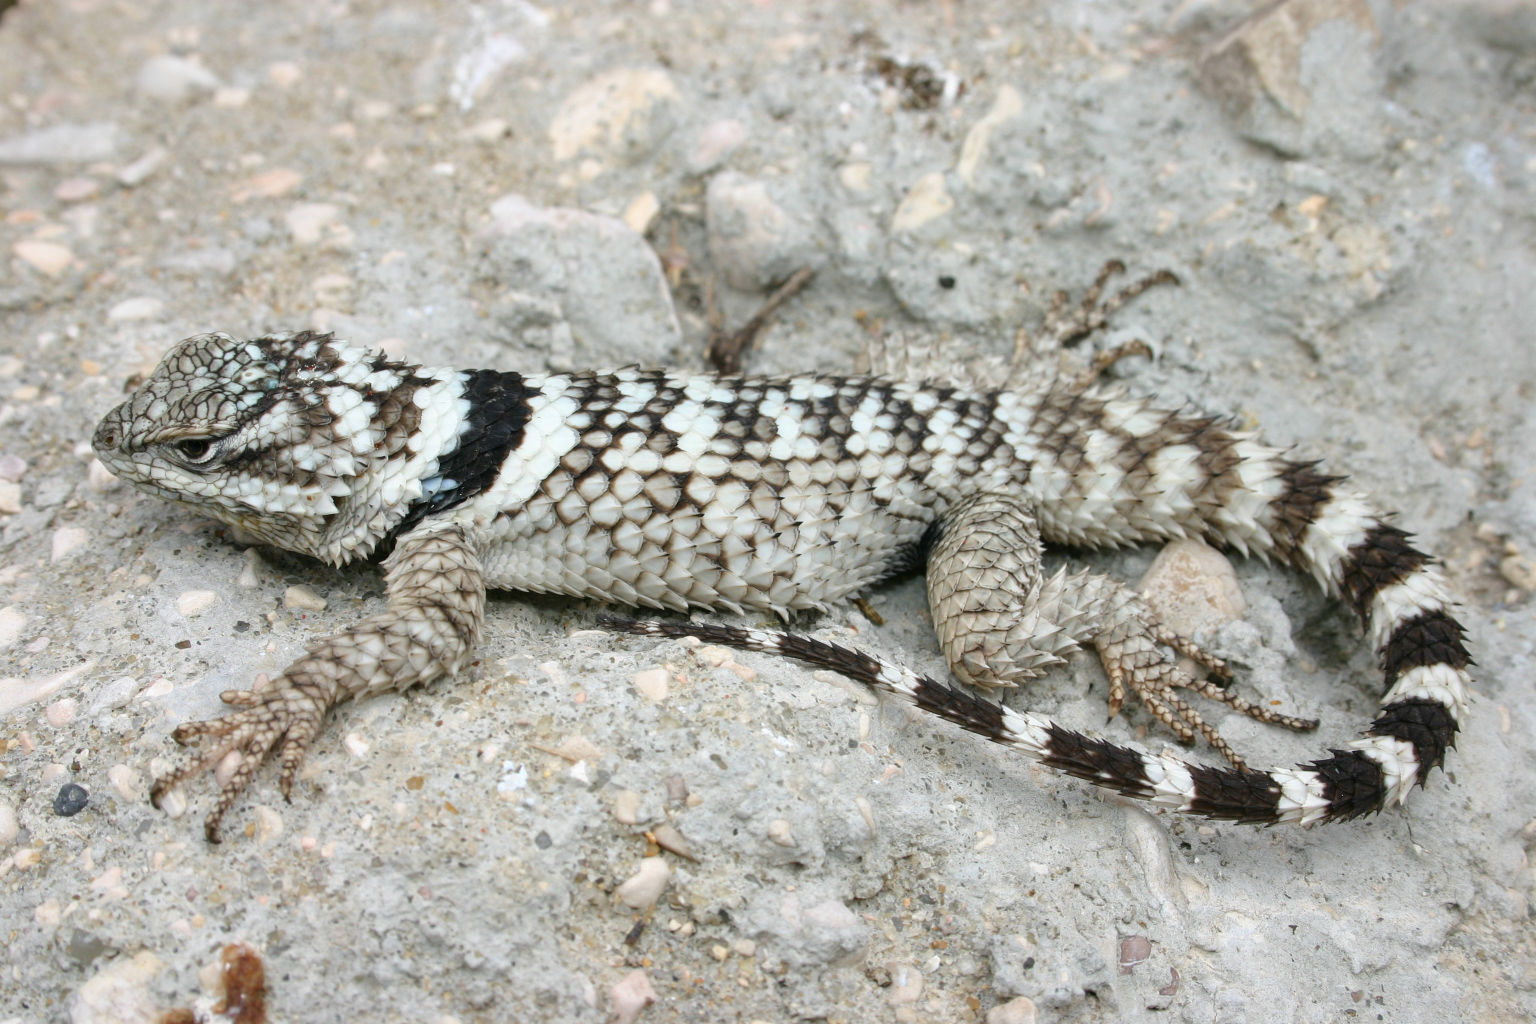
column 196, row 451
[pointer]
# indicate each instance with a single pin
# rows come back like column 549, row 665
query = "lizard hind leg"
column 999, row 622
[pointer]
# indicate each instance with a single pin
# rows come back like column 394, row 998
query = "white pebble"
column 173, row 803
column 126, row 782
column 194, row 602
column 59, row 713
column 906, row 983
column 12, row 622
column 140, row 307
column 714, row 656
column 138, row 171
column 98, row 477
column 174, row 78
column 629, row 996
column 118, row 992
column 307, row 222
column 10, row 828
column 652, row 684
column 269, row 824
column 284, row 73
column 49, row 258
column 12, row 467
column 159, row 687
column 641, row 212
column 10, row 497
column 355, row 744
column 641, row 890
column 779, row 831
column 303, row 599
column 67, row 540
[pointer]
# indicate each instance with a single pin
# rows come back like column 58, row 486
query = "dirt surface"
column 1346, row 191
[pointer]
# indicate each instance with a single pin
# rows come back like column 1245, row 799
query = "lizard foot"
column 1067, row 326
column 284, row 715
column 1134, row 660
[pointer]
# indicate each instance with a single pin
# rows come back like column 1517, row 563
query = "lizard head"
column 287, row 437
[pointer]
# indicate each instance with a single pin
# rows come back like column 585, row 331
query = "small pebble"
column 641, row 890
column 906, row 983
column 10, row 497
column 1134, row 950
column 49, row 258
column 120, row 991
column 74, row 190
column 626, row 807
column 670, row 839
column 578, row 748
column 612, row 113
column 158, row 687
column 110, row 884
column 925, row 201
column 303, row 599
column 355, row 744
column 744, row 948
column 12, row 467
column 780, row 833
column 141, row 307
column 139, row 171
column 1519, row 571
column 1014, row 1011
column 174, row 78
column 126, row 782
column 67, row 540
column 629, row 996
column 641, row 212
column 31, row 857
column 714, row 656
column 492, row 129
column 71, row 800
column 231, row 97
column 12, row 622
column 284, row 73
column 652, row 684
column 714, row 143
column 269, row 824
column 308, row 222
column 194, row 602
column 1192, row 587
column 59, row 713
column 267, row 185
column 10, row 828
column 99, row 478
column 173, row 803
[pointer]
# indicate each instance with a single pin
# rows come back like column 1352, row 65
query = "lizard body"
column 676, row 491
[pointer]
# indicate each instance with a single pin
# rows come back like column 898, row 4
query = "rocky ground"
column 590, row 828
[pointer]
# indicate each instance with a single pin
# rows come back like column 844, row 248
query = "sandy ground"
column 1345, row 189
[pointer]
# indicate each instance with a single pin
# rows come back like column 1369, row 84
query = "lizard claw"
column 1133, row 659
column 281, row 714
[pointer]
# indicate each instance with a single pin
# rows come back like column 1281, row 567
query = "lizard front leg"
column 435, row 603
column 1000, row 622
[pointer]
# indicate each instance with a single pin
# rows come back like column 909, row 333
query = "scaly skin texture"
column 692, row 490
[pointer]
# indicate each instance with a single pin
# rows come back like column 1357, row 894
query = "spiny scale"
column 676, row 491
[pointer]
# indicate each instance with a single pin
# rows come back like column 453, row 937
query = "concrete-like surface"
column 1346, row 190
